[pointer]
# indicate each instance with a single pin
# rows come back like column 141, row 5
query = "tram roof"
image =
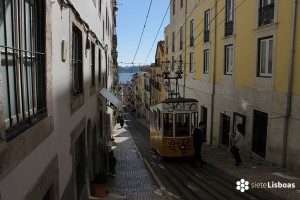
column 179, row 100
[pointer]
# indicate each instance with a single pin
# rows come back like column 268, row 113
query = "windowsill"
column 229, row 37
column 266, row 27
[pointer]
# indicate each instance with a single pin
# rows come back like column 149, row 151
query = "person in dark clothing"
column 198, row 138
column 122, row 122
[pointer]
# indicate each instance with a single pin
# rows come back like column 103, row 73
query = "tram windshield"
column 194, row 120
column 182, row 125
column 168, row 125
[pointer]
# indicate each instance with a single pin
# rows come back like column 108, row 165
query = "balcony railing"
column 206, row 36
column 228, row 28
column 191, row 41
column 266, row 14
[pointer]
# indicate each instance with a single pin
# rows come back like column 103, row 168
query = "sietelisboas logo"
column 242, row 185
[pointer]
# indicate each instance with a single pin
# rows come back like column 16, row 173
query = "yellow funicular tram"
column 173, row 120
column 171, row 125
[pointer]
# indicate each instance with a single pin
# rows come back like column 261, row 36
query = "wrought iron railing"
column 266, row 14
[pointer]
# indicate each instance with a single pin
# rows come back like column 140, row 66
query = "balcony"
column 191, row 41
column 115, row 41
column 266, row 14
column 206, row 36
column 228, row 28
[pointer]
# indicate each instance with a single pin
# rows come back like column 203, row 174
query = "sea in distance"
column 124, row 77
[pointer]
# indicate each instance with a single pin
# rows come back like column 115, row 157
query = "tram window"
column 168, row 125
column 182, row 125
column 194, row 120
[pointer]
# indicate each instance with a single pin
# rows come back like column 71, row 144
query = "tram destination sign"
column 180, row 106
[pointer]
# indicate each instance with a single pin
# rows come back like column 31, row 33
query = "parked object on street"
column 168, row 136
column 99, row 185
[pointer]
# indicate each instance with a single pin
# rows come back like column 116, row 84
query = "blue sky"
column 131, row 17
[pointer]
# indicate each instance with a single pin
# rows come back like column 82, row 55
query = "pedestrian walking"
column 199, row 138
column 238, row 140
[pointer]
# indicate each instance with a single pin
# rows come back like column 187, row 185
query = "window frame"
column 266, row 74
column 173, row 42
column 174, row 7
column 93, row 64
column 206, row 25
column 206, row 59
column 78, row 58
column 191, row 65
column 24, row 63
column 191, row 32
column 228, row 69
column 181, row 38
column 229, row 18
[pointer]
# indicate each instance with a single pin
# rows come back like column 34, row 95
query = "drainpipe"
column 214, row 80
column 290, row 86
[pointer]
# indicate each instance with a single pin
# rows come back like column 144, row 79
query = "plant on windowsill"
column 99, row 185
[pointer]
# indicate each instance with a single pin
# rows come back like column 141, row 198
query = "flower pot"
column 99, row 190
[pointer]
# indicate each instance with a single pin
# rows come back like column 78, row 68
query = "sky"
column 131, row 16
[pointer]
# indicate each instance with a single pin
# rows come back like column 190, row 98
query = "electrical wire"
column 142, row 32
column 158, row 32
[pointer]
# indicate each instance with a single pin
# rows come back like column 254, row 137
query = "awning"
column 112, row 98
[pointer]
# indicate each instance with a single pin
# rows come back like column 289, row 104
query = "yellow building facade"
column 239, row 61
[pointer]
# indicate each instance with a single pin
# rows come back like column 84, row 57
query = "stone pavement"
column 251, row 170
column 132, row 179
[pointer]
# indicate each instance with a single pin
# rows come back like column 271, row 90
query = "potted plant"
column 99, row 185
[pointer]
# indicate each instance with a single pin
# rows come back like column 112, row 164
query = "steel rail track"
column 186, row 182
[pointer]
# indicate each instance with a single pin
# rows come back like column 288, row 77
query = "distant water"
column 124, row 77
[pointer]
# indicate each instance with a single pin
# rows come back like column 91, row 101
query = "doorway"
column 260, row 129
column 225, row 129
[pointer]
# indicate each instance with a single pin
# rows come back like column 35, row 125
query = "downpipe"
column 290, row 86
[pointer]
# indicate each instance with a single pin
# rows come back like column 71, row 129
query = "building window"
column 265, row 47
column 191, row 62
column 206, row 25
column 181, row 3
column 206, row 61
column 174, row 7
column 266, row 12
column 92, row 63
column 100, row 6
column 22, row 52
column 173, row 63
column 167, row 44
column 77, row 61
column 173, row 41
column 79, row 164
column 103, row 31
column 229, row 17
column 99, row 65
column 181, row 38
column 191, row 33
column 228, row 59
column 180, row 62
column 106, row 18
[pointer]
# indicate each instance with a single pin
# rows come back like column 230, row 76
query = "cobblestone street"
column 132, row 180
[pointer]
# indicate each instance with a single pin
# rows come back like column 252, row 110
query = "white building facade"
column 55, row 58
